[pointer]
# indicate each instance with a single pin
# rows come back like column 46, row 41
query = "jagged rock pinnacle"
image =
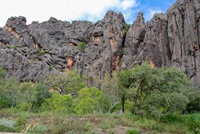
column 168, row 39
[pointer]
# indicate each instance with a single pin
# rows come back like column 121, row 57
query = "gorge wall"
column 168, row 39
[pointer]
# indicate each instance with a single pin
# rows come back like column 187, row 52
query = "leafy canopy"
column 90, row 100
column 154, row 90
column 69, row 82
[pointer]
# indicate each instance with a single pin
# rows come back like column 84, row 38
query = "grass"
column 133, row 131
column 55, row 123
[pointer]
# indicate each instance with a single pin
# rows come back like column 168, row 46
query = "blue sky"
column 92, row 10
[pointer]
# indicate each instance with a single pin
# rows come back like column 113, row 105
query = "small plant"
column 194, row 106
column 7, row 126
column 133, row 131
column 41, row 52
column 68, row 29
column 126, row 28
column 107, row 124
column 50, row 67
column 123, row 52
column 13, row 47
column 81, row 46
column 21, row 123
column 40, row 128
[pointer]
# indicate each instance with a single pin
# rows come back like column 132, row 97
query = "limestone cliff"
column 170, row 39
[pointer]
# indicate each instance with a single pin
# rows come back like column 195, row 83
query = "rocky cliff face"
column 170, row 39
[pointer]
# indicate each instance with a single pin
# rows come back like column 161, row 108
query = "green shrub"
column 126, row 27
column 194, row 123
column 70, row 82
column 2, row 73
column 81, row 46
column 60, row 126
column 7, row 126
column 133, row 131
column 7, row 129
column 21, row 123
column 194, row 105
column 41, row 52
column 107, row 124
column 123, row 52
column 42, row 93
column 57, row 103
column 154, row 91
column 13, row 47
column 38, row 129
column 90, row 100
column 24, row 106
column 4, row 101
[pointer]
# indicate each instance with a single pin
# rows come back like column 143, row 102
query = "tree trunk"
column 123, row 102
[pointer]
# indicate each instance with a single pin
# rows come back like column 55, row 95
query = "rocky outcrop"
column 171, row 39
column 168, row 39
column 33, row 51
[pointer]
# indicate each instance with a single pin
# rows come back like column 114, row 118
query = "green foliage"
column 57, row 103
column 192, row 121
column 62, row 125
column 123, row 52
column 56, row 122
column 143, row 90
column 50, row 68
column 41, row 52
column 68, row 29
column 90, row 100
column 154, row 91
column 194, row 105
column 126, row 27
column 81, row 46
column 69, row 82
column 109, row 88
column 2, row 73
column 26, row 96
column 159, row 104
column 7, row 125
column 13, row 47
column 42, row 93
column 8, row 91
column 38, row 129
column 133, row 131
column 107, row 124
column 21, row 123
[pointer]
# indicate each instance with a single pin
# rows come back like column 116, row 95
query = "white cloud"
column 42, row 10
column 150, row 12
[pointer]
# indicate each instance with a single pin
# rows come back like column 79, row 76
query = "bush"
column 81, row 46
column 41, row 52
column 154, row 91
column 38, row 129
column 2, row 73
column 21, row 123
column 192, row 121
column 194, row 105
column 90, row 100
column 133, row 131
column 42, row 93
column 13, row 47
column 7, row 126
column 57, row 103
column 126, row 28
